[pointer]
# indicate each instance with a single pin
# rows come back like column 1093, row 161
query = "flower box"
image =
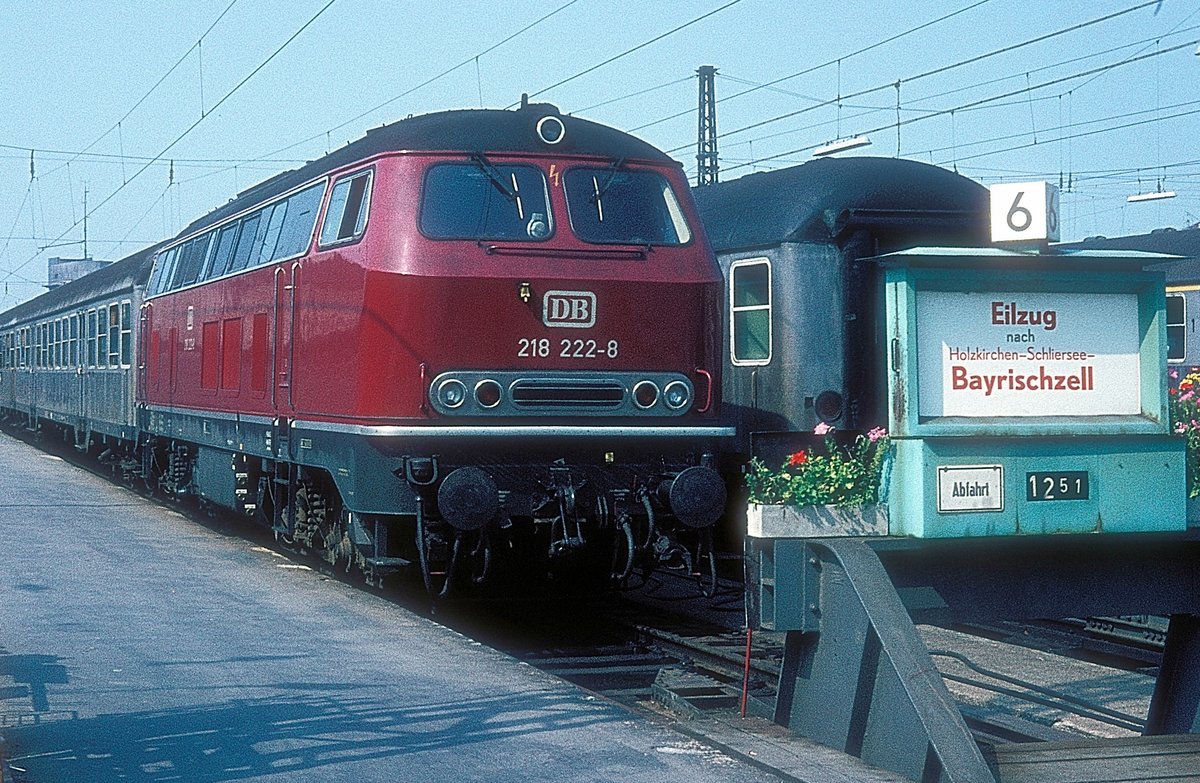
column 779, row 521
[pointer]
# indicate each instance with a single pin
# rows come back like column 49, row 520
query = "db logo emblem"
column 569, row 309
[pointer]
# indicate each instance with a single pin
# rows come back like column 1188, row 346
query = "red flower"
column 799, row 458
column 1185, row 384
column 1172, row 391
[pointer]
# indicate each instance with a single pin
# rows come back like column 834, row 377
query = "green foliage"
column 1185, row 422
column 844, row 475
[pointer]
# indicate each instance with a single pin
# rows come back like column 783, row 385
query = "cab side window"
column 349, row 203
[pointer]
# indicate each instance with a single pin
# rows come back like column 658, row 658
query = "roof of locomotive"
column 462, row 130
column 123, row 275
column 812, row 202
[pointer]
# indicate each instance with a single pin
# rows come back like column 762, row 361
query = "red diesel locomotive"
column 467, row 333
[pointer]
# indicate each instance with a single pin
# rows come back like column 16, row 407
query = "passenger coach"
column 803, row 331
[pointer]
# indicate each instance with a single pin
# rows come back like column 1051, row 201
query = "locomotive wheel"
column 312, row 510
column 335, row 541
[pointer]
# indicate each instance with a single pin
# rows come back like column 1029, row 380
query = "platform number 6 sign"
column 1024, row 212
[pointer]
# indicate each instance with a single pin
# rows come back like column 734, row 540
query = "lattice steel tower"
column 706, row 149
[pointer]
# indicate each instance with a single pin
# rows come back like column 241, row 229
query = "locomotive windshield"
column 615, row 206
column 479, row 200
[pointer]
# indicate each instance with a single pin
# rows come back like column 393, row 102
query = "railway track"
column 662, row 645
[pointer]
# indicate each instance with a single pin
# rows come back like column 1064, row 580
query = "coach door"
column 283, row 353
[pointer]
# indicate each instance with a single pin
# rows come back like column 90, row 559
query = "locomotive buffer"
column 1033, row 476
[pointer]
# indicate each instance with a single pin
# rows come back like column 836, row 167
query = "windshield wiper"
column 612, row 170
column 494, row 176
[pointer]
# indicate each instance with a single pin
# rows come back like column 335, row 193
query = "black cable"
column 818, row 67
column 1081, row 135
column 629, row 51
column 976, row 103
column 181, row 136
column 942, row 69
column 426, row 83
column 161, row 79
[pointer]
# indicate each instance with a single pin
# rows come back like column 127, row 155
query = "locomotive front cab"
column 558, row 304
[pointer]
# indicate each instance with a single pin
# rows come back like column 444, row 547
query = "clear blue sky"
column 75, row 68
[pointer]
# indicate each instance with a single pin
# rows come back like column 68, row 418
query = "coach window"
column 164, row 269
column 270, row 239
column 156, row 273
column 102, row 337
column 617, row 206
column 299, row 223
column 126, row 334
column 349, row 203
column 191, row 258
column 750, row 312
column 245, row 243
column 91, row 338
column 114, row 336
column 1176, row 328
column 45, row 345
column 220, row 257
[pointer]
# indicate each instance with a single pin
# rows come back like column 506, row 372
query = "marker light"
column 676, row 395
column 452, row 392
column 645, row 394
column 487, row 393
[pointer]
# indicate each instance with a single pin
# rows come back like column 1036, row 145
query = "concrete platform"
column 137, row 645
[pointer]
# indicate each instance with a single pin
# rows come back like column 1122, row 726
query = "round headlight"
column 645, row 394
column 452, row 392
column 487, row 393
column 676, row 395
column 550, row 129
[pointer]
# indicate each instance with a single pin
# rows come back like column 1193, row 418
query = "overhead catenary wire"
column 117, row 125
column 423, row 84
column 633, row 49
column 187, row 130
column 825, row 64
column 984, row 101
column 919, row 76
column 268, row 157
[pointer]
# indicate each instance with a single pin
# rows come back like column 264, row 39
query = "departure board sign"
column 1028, row 354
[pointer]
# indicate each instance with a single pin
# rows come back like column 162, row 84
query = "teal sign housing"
column 1027, row 395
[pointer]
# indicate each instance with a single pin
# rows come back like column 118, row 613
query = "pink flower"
column 1186, row 396
column 877, row 433
column 1180, row 428
column 1173, row 374
column 822, row 429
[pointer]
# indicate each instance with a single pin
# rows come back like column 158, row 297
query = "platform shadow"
column 241, row 739
column 30, row 674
